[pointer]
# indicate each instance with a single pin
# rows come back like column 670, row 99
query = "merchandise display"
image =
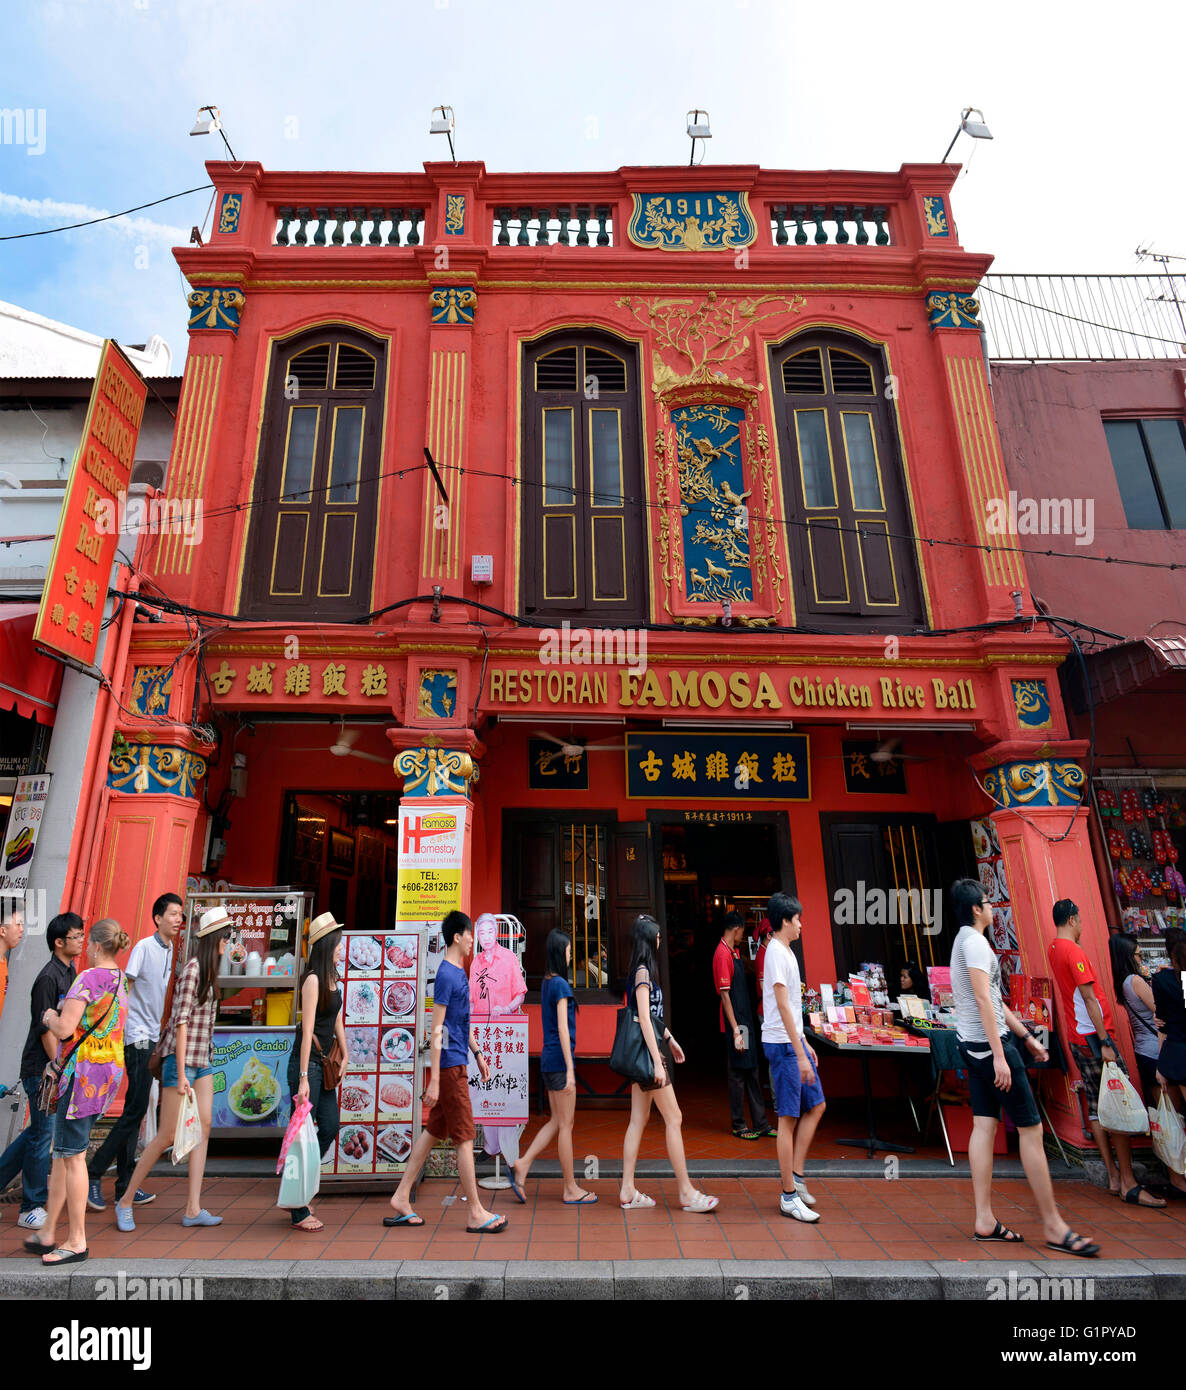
column 1143, row 826
column 847, row 1013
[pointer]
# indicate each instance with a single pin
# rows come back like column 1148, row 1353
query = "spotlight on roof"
column 975, row 128
column 207, row 122
column 698, row 129
column 442, row 123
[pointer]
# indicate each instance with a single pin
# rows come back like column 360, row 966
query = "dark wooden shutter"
column 311, row 537
column 849, row 523
column 632, row 890
column 584, row 526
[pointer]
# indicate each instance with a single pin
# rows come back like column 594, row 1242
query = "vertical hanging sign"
column 92, row 514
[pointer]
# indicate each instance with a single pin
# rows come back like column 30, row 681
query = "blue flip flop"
column 404, row 1219
column 488, row 1228
column 518, row 1191
column 586, row 1201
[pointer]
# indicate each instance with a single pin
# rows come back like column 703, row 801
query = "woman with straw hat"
column 187, row 1046
column 321, row 1023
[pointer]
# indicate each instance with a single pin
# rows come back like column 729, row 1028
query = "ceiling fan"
column 887, row 752
column 568, row 749
column 343, row 747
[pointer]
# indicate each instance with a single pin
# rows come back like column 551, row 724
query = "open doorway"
column 707, row 868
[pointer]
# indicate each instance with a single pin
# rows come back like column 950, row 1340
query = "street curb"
column 1101, row 1281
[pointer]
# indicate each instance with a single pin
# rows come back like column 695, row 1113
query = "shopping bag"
column 630, row 1057
column 299, row 1111
column 1169, row 1135
column 188, row 1134
column 302, row 1168
column 1120, row 1109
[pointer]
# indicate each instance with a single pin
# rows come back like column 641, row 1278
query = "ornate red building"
column 714, row 454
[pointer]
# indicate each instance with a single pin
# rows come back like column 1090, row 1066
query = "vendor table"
column 945, row 1056
column 862, row 1050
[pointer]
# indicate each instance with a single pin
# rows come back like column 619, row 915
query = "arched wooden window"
column 847, row 513
column 584, row 525
column 311, row 538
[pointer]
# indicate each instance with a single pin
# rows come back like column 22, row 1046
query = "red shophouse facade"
column 741, row 411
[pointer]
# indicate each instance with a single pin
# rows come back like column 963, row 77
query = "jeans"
column 743, row 1083
column 28, row 1154
column 327, row 1117
column 120, row 1144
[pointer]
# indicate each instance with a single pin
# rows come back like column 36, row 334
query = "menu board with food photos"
column 382, row 977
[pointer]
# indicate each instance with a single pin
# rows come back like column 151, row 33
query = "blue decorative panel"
column 151, row 689
column 438, row 694
column 1031, row 701
column 713, row 503
column 454, row 214
column 696, row 221
column 1036, row 784
column 228, row 212
column 934, row 209
column 215, row 308
column 456, row 304
column 952, row 310
column 152, row 767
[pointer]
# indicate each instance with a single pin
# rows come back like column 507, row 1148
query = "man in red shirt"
column 1088, row 1019
column 741, row 1038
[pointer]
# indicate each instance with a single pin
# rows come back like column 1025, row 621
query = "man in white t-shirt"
column 794, row 1080
column 986, row 1032
column 148, row 975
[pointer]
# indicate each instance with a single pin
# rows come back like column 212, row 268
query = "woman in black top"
column 644, row 992
column 321, row 1022
column 1171, row 1015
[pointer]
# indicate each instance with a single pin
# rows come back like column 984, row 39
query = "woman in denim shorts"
column 93, row 1014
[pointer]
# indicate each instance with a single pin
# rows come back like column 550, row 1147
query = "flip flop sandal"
column 493, row 1227
column 520, row 1197
column 701, row 1204
column 65, row 1257
column 1002, row 1234
column 638, row 1200
column 1067, row 1245
column 37, row 1247
column 404, row 1219
column 304, row 1225
column 586, row 1201
column 1133, row 1198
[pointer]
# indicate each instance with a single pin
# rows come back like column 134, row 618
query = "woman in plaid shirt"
column 189, row 1035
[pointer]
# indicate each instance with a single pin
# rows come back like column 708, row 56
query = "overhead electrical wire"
column 107, row 217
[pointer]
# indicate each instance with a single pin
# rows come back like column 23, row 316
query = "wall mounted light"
column 975, row 128
column 698, row 129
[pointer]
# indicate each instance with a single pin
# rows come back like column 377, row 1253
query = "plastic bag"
column 299, row 1110
column 301, row 1178
column 1169, row 1135
column 1120, row 1109
column 188, row 1134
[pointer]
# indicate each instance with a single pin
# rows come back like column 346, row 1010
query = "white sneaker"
column 32, row 1220
column 793, row 1206
column 802, row 1193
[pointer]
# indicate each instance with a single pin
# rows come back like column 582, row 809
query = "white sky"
column 1084, row 101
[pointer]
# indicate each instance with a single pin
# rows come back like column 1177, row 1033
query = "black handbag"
column 631, row 1057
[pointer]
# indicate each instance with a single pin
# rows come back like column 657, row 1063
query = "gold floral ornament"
column 706, row 333
column 148, row 767
column 435, row 771
column 455, row 304
column 952, row 310
column 215, row 308
column 1041, row 783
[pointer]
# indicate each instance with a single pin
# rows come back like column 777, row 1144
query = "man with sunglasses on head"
column 29, row 1152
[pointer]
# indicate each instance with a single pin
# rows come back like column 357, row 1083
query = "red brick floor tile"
column 604, row 1250
column 858, row 1250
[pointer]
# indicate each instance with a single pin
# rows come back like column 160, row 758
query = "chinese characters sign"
column 551, row 768
column 718, row 767
column 505, row 1096
column 20, row 839
column 75, row 590
column 864, row 773
column 314, row 681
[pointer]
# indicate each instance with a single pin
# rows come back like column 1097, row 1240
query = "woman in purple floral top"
column 94, row 1068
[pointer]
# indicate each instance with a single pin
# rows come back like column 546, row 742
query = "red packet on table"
column 850, row 1014
column 1018, row 992
column 863, row 1015
column 860, row 993
column 815, row 1020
